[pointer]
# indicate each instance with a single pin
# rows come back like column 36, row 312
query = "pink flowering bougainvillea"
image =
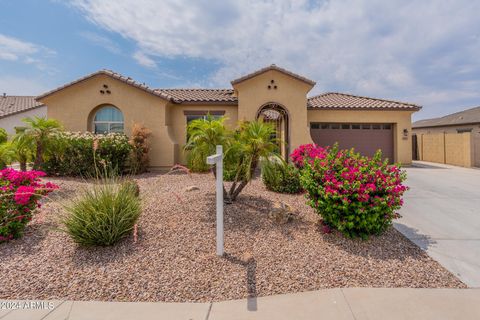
column 20, row 194
column 357, row 195
column 307, row 152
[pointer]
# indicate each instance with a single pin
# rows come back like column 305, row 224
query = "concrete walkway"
column 442, row 216
column 351, row 304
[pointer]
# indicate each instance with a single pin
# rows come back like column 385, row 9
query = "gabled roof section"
column 469, row 116
column 10, row 105
column 192, row 96
column 113, row 75
column 273, row 67
column 335, row 100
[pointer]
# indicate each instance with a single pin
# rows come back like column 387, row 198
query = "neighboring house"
column 15, row 108
column 467, row 121
column 106, row 101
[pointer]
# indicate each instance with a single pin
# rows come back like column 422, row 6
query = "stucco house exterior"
column 15, row 108
column 435, row 138
column 107, row 101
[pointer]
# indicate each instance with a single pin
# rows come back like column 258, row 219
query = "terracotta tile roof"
column 469, row 116
column 10, row 105
column 114, row 75
column 273, row 67
column 224, row 96
column 335, row 100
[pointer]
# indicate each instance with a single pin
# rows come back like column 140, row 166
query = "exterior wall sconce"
column 405, row 134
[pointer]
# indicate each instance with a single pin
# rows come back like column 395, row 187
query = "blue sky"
column 426, row 52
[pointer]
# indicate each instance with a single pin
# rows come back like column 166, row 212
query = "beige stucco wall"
column 450, row 148
column 177, row 122
column 10, row 122
column 475, row 140
column 74, row 107
column 432, row 147
column 400, row 119
column 291, row 93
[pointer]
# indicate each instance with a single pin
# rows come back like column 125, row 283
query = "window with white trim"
column 108, row 119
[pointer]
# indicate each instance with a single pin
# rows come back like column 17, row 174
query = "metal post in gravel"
column 217, row 159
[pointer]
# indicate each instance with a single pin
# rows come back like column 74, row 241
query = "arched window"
column 108, row 119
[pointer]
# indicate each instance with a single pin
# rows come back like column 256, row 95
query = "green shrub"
column 87, row 154
column 3, row 135
column 280, row 176
column 7, row 154
column 105, row 213
column 357, row 195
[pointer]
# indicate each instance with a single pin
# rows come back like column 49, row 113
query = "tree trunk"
column 226, row 196
column 235, row 190
column 38, row 157
column 23, row 165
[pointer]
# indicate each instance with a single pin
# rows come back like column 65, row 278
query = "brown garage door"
column 365, row 138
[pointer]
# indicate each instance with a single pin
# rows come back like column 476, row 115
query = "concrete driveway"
column 442, row 215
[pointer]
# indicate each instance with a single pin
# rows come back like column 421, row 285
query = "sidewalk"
column 350, row 303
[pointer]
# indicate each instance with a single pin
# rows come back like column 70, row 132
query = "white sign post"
column 217, row 159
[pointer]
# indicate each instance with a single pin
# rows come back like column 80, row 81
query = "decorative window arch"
column 108, row 119
column 277, row 115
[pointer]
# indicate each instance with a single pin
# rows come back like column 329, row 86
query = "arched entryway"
column 277, row 115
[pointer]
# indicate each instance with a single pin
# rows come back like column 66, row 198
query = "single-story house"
column 15, row 108
column 430, row 144
column 106, row 101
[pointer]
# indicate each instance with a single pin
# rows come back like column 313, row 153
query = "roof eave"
column 365, row 109
column 269, row 68
column 446, row 125
column 20, row 111
column 220, row 103
column 109, row 74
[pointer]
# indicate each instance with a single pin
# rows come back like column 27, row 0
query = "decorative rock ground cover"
column 174, row 258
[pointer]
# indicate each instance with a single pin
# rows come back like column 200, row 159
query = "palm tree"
column 242, row 149
column 253, row 142
column 38, row 136
column 3, row 136
column 203, row 135
column 7, row 154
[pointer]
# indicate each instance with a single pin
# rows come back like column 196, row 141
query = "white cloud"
column 401, row 49
column 12, row 49
column 101, row 41
column 144, row 60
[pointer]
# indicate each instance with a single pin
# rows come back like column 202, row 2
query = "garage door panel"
column 366, row 140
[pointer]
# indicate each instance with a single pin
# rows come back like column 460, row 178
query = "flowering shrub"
column 307, row 152
column 357, row 195
column 139, row 141
column 83, row 154
column 20, row 194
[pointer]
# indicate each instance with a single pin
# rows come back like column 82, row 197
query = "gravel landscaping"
column 174, row 258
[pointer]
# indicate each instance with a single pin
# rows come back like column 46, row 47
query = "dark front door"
column 365, row 138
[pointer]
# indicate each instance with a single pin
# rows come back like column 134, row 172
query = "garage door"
column 365, row 138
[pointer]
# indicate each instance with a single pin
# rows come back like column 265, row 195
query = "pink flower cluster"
column 307, row 152
column 20, row 194
column 350, row 187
